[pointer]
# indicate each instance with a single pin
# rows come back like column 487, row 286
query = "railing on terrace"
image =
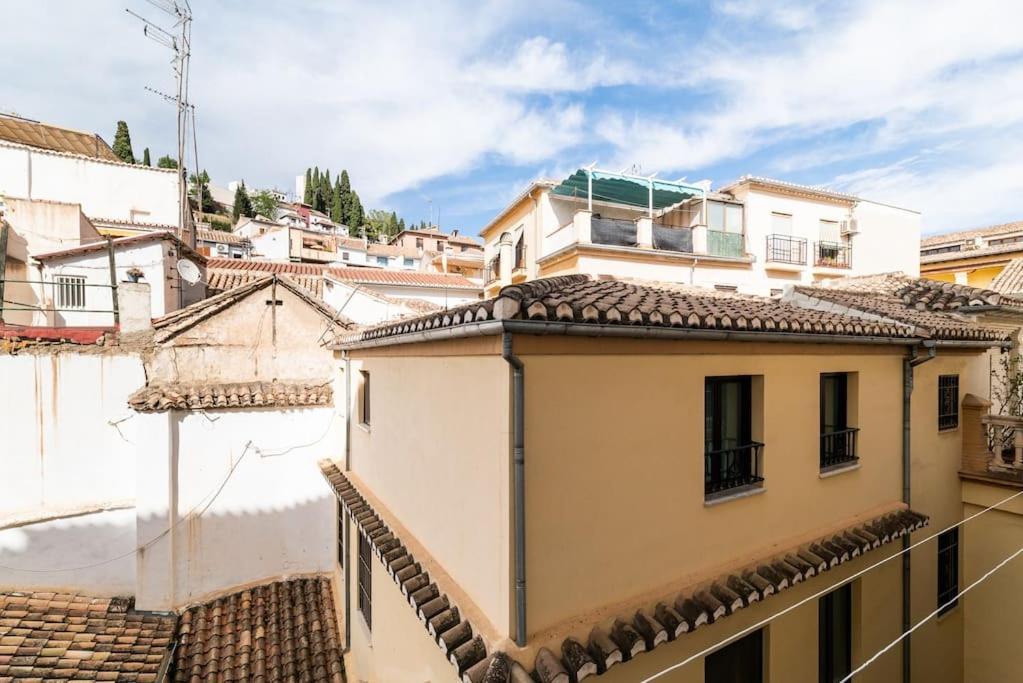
column 786, row 249
column 492, row 271
column 1005, row 440
column 839, row 447
column 619, row 233
column 667, row 238
column 725, row 243
column 731, row 468
column 833, row 255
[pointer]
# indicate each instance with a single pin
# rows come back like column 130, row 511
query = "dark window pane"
column 731, row 458
column 948, row 569
column 835, row 635
column 948, row 401
column 740, row 662
column 366, row 580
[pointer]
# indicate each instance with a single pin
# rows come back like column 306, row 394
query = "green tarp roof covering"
column 612, row 187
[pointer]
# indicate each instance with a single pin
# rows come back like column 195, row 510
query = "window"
column 948, row 570
column 408, row 262
column 440, row 245
column 834, row 635
column 731, row 457
column 724, row 217
column 345, row 256
column 364, row 399
column 781, row 224
column 366, row 580
column 740, row 662
column 70, row 291
column 948, row 401
column 838, row 439
column 340, row 534
column 381, row 260
column 419, row 243
column 830, row 231
column 941, row 250
column 1005, row 240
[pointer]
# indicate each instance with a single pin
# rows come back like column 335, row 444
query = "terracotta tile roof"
column 970, row 235
column 441, row 619
column 158, row 397
column 267, row 266
column 221, row 280
column 1010, row 280
column 391, row 250
column 282, row 631
column 120, row 242
column 208, row 235
column 64, row 636
column 351, row 243
column 402, row 278
column 168, row 326
column 45, row 136
column 580, row 299
column 992, row 250
column 619, row 640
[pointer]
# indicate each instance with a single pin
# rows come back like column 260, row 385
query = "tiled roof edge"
column 458, row 640
column 160, row 397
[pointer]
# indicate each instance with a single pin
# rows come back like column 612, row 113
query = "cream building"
column 755, row 235
column 607, row 478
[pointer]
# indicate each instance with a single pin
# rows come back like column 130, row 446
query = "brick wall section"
column 976, row 455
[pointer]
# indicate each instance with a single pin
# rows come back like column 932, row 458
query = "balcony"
column 839, row 448
column 728, row 244
column 732, row 468
column 786, row 249
column 832, row 255
column 492, row 270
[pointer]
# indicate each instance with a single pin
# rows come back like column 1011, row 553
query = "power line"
column 763, row 622
column 933, row 614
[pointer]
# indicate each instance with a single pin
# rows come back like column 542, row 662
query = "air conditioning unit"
column 222, row 248
column 850, row 227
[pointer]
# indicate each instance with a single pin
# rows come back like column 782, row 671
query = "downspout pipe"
column 342, row 519
column 909, row 363
column 519, row 483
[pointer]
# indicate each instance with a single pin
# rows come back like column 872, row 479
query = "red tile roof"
column 402, row 278
column 158, row 396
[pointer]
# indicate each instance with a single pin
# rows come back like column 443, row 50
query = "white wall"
column 271, row 245
column 889, row 239
column 435, row 295
column 104, row 189
column 361, row 306
column 59, row 451
column 273, row 516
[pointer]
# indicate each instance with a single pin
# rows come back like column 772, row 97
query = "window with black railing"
column 948, row 401
column 838, row 437
column 731, row 456
column 786, row 249
column 833, row 255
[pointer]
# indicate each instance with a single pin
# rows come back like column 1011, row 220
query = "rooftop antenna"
column 179, row 43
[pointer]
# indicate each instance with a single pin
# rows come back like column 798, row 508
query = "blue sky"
column 919, row 104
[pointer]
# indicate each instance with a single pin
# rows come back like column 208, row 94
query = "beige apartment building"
column 756, row 235
column 609, row 478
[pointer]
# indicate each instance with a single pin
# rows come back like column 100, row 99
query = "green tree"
column 401, row 225
column 166, row 161
column 307, row 196
column 355, row 218
column 200, row 190
column 344, row 189
column 264, row 204
column 122, row 143
column 328, row 189
column 392, row 225
column 337, row 207
column 145, row 157
column 242, row 203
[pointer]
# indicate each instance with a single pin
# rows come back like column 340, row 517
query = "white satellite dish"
column 188, row 271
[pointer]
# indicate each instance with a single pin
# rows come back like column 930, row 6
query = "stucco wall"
column 444, row 472
column 614, row 446
column 272, row 517
column 60, row 451
column 104, row 189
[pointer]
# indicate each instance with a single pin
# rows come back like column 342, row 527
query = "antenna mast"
column 180, row 43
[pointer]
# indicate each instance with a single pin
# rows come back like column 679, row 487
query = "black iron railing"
column 839, row 448
column 786, row 249
column 730, row 468
column 833, row 255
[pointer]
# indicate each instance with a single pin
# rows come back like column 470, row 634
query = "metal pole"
column 113, row 281
column 3, row 265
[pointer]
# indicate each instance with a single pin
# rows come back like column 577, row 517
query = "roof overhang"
column 625, row 189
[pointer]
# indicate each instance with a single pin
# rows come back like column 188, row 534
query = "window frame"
column 382, row 260
column 828, row 612
column 365, row 399
column 786, row 217
column 948, row 570
column 364, row 586
column 948, row 421
column 341, row 523
column 737, row 654
column 70, row 292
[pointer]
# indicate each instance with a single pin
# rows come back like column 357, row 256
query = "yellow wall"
column 975, row 277
column 436, row 456
column 615, row 467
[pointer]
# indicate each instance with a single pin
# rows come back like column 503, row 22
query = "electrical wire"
column 763, row 622
column 933, row 614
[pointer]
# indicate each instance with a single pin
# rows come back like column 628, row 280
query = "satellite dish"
column 188, row 271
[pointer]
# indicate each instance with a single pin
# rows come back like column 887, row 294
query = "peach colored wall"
column 437, row 455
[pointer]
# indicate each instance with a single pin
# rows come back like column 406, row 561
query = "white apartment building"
column 755, row 235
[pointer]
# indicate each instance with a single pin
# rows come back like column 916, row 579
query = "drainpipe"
column 908, row 364
column 346, row 532
column 519, row 494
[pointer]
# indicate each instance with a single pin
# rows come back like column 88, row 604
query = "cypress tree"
column 355, row 217
column 328, row 191
column 316, row 178
column 122, row 143
column 337, row 207
column 145, row 157
column 392, row 225
column 307, row 196
column 318, row 201
column 242, row 202
column 401, row 225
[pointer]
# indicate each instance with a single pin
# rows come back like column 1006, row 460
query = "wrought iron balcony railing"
column 833, row 255
column 839, row 447
column 786, row 249
column 730, row 468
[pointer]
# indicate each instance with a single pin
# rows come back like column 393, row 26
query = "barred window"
column 366, row 580
column 70, row 291
column 948, row 401
column 948, row 570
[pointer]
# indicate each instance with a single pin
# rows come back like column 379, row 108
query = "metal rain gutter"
column 519, row 483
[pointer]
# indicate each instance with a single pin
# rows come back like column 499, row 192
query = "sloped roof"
column 281, row 631
column 221, row 280
column 990, row 250
column 207, row 235
column 578, row 299
column 1010, row 280
column 161, row 396
column 120, row 242
column 402, row 278
column 169, row 326
column 55, row 138
column 65, row 636
column 969, row 235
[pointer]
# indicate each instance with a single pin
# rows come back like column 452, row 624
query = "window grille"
column 948, row 401
column 70, row 291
